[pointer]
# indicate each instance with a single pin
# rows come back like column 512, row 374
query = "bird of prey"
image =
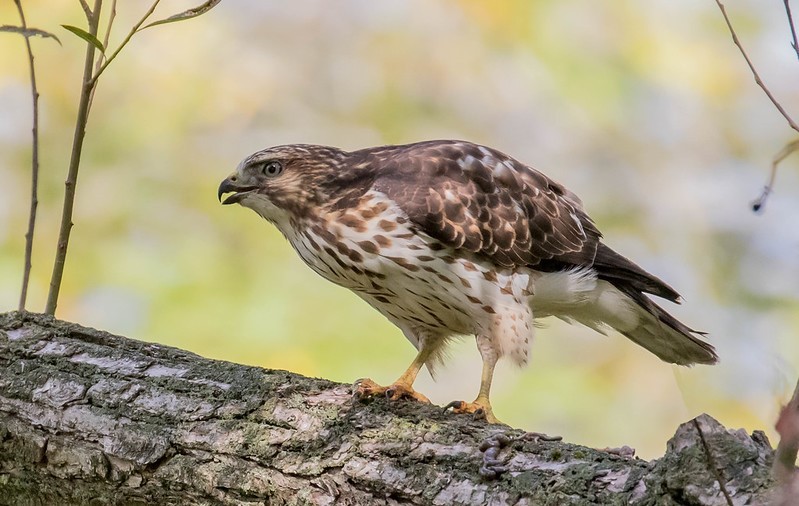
column 450, row 238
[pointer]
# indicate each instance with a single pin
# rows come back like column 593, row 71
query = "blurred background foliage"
column 644, row 109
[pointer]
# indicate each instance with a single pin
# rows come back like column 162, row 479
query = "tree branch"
column 794, row 44
column 26, row 273
column 124, row 43
column 112, row 14
column 89, row 416
column 784, row 153
column 789, row 148
column 86, row 10
column 758, row 80
column 84, row 105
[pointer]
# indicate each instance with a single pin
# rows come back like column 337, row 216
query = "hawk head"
column 284, row 183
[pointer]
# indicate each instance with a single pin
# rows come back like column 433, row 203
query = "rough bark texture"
column 87, row 417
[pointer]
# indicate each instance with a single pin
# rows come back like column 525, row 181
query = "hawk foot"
column 365, row 388
column 480, row 410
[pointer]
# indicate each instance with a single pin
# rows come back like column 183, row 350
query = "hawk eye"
column 272, row 169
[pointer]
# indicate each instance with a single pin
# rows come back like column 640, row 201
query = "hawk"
column 449, row 238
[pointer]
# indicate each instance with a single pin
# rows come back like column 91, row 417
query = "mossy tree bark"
column 89, row 417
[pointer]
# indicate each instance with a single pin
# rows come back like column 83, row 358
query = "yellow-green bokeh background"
column 644, row 109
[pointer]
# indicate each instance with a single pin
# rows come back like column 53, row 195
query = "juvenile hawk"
column 449, row 238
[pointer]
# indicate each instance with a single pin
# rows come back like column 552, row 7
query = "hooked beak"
column 229, row 185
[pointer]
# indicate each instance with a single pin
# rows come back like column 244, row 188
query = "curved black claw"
column 454, row 405
column 358, row 392
column 365, row 388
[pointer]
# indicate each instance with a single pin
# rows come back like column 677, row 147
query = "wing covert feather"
column 477, row 199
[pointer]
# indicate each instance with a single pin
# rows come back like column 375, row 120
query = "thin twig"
column 111, row 17
column 23, row 296
column 758, row 204
column 126, row 40
column 754, row 72
column 794, row 44
column 786, row 151
column 100, row 59
column 74, row 164
column 86, row 10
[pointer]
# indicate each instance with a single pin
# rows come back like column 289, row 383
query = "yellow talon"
column 480, row 408
column 365, row 388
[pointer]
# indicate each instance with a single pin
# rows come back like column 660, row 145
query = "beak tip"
column 224, row 187
column 231, row 186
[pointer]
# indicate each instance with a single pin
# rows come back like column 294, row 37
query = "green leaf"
column 29, row 32
column 191, row 13
column 83, row 34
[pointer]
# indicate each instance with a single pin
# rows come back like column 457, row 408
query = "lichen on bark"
column 87, row 417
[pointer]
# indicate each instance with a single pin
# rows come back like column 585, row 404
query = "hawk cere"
column 449, row 238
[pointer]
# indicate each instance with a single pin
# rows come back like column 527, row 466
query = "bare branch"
column 86, row 10
column 784, row 153
column 754, row 71
column 101, row 59
column 34, row 165
column 758, row 204
column 794, row 44
column 126, row 40
column 111, row 17
column 74, row 163
column 91, row 75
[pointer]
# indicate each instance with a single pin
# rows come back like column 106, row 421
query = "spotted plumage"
column 449, row 238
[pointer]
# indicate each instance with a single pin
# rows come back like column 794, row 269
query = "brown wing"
column 477, row 199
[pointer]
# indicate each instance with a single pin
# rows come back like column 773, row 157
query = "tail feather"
column 618, row 299
column 664, row 335
column 631, row 313
column 620, row 271
column 655, row 329
column 612, row 293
